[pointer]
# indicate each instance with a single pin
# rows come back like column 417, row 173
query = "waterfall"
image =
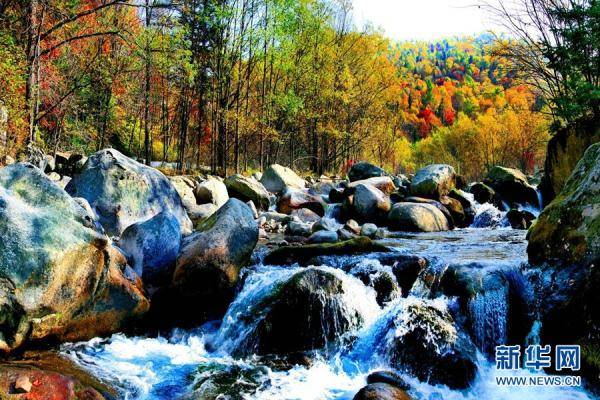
column 157, row 368
column 489, row 315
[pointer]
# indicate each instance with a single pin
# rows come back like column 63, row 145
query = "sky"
column 423, row 19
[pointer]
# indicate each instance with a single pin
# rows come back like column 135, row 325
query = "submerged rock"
column 323, row 236
column 433, row 181
column 245, row 189
column 122, row 192
column 212, row 191
column 59, row 276
column 424, row 342
column 512, row 187
column 417, row 217
column 209, row 263
column 304, row 254
column 227, row 381
column 277, row 179
column 308, row 311
column 364, row 170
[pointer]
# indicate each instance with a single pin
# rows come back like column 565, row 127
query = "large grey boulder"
column 60, row 277
column 152, row 247
column 122, row 192
column 417, row 217
column 210, row 260
column 212, row 191
column 364, row 170
column 248, row 189
column 370, row 204
column 433, row 181
column 277, row 179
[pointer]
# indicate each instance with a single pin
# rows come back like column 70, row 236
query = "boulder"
column 426, row 344
column 60, row 278
column 323, row 236
column 352, row 226
column 512, row 187
column 344, row 234
column 306, row 312
column 368, row 230
column 185, row 185
column 277, row 179
column 200, row 212
column 325, row 224
column 152, row 247
column 294, row 199
column 304, row 254
column 433, row 181
column 364, row 170
column 435, row 203
column 520, row 219
column 370, row 203
column 336, row 195
column 304, row 215
column 245, row 189
column 209, row 263
column 482, row 193
column 467, row 205
column 381, row 391
column 568, row 229
column 321, row 188
column 221, row 381
column 212, row 191
column 299, row 228
column 122, row 192
column 417, row 217
column 456, row 210
column 384, row 183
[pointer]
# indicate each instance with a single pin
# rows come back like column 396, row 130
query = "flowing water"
column 169, row 367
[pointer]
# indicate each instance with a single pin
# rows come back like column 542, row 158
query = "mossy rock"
column 304, row 254
column 568, row 230
column 565, row 149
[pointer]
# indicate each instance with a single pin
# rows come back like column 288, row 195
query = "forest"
column 236, row 85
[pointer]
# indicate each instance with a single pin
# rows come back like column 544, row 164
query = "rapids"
column 169, row 367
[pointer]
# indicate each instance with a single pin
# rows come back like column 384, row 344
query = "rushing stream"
column 166, row 368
